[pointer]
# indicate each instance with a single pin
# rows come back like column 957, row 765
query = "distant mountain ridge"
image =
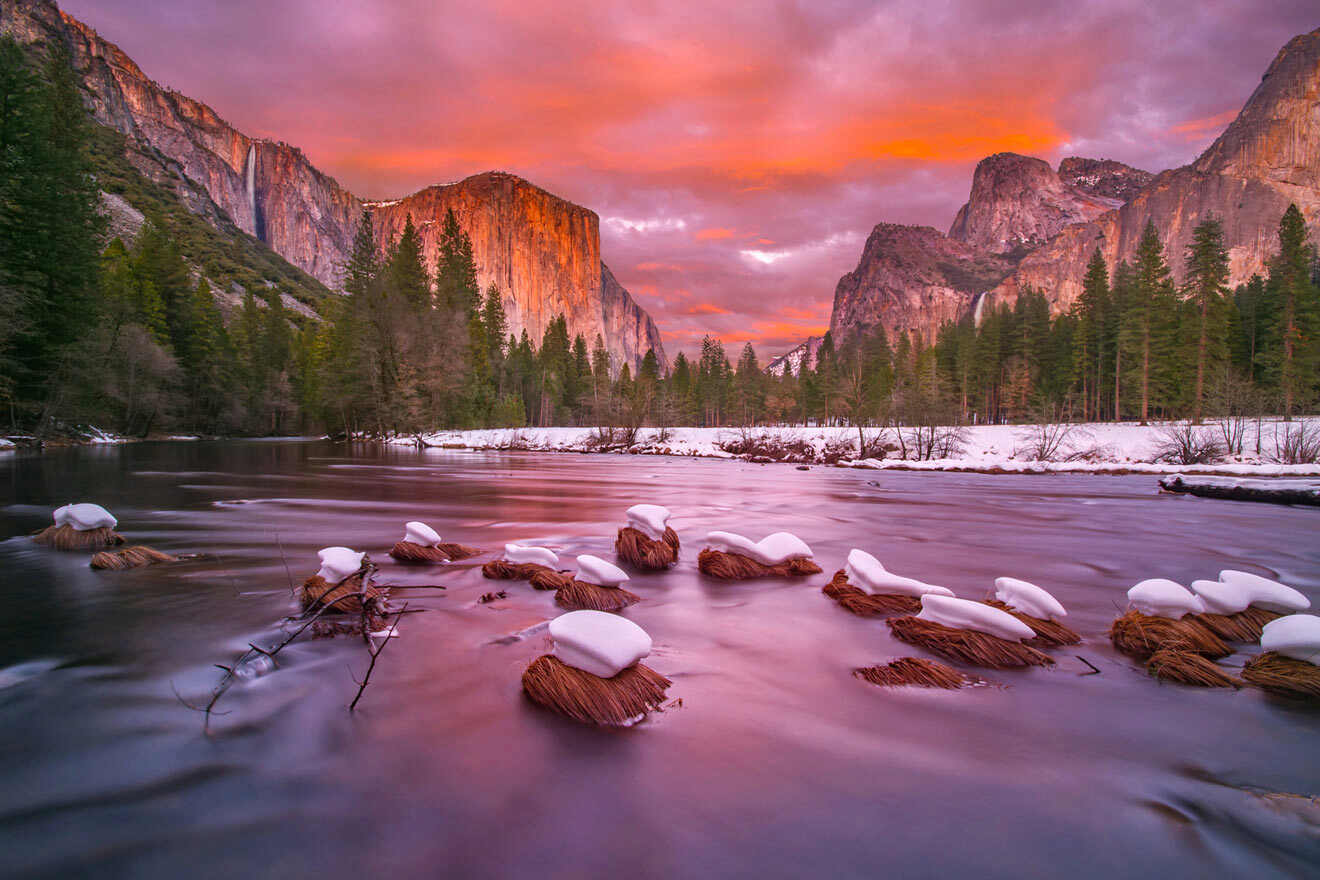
column 542, row 251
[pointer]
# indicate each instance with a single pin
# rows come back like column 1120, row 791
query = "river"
column 777, row 763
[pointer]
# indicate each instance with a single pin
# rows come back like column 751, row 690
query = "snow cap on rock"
column 1160, row 597
column 420, row 533
column 597, row 642
column 338, row 563
column 966, row 614
column 866, row 573
column 770, row 550
column 521, row 554
column 649, row 519
column 594, row 570
column 84, row 517
column 1296, row 636
column 1268, row 594
column 1028, row 598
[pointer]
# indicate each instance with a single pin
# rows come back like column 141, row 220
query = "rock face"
column 912, row 278
column 542, row 251
column 794, row 359
column 1103, row 177
column 1018, row 203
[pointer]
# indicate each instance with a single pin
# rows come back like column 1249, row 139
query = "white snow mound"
column 594, row 570
column 84, row 517
column 597, row 642
column 966, row 614
column 649, row 519
column 338, row 563
column 1296, row 636
column 521, row 554
column 865, row 572
column 1160, row 597
column 420, row 533
column 1268, row 594
column 1028, row 598
column 770, row 550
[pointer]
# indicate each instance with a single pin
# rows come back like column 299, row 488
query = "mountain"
column 1025, row 224
column 793, row 360
column 542, row 251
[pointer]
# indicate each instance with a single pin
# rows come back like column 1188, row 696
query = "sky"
column 738, row 153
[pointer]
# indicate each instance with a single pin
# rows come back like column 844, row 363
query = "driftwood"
column 375, row 651
column 864, row 604
column 501, row 569
column 966, row 646
column 736, row 567
column 1049, row 633
column 915, row 672
column 641, row 552
column 1272, row 491
column 1284, row 676
column 66, row 537
column 1182, row 667
column 620, row 700
column 416, row 554
column 1241, row 626
column 130, row 557
column 577, row 595
column 1141, row 635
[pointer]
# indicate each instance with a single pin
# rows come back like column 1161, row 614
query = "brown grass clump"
column 641, row 552
column 1242, row 626
column 548, row 579
column 590, row 699
column 578, row 595
column 131, row 557
column 1192, row 669
column 66, row 537
column 415, row 554
column 736, row 567
column 1139, row 636
column 966, row 645
column 1049, row 633
column 345, row 596
column 503, row 570
column 915, row 672
column 863, row 604
column 1283, row 676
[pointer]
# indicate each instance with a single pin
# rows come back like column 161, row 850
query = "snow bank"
column 598, row 642
column 966, row 614
column 1296, row 636
column 1091, row 448
column 1160, row 597
column 866, row 573
column 521, row 554
column 649, row 519
column 84, row 517
column 1028, row 598
column 770, row 550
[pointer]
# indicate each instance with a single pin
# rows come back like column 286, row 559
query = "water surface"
column 778, row 763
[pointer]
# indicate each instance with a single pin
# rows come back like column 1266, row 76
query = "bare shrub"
column 875, row 445
column 934, row 441
column 1047, row 441
column 769, row 446
column 1188, row 444
column 660, row 435
column 1296, row 443
column 611, row 438
column 514, row 440
column 836, row 449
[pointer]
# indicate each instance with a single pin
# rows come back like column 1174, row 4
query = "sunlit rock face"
column 543, row 252
column 1103, row 177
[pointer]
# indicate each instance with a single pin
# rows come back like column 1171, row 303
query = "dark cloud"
column 737, row 153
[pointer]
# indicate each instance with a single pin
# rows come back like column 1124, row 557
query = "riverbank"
column 1106, row 448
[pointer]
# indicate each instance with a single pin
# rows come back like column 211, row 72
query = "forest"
column 130, row 336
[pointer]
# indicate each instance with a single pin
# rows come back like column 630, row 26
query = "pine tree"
column 1089, row 310
column 1295, row 301
column 455, row 269
column 1206, row 286
column 1143, row 330
column 407, row 268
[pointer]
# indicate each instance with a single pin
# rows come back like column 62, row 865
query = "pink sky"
column 738, row 154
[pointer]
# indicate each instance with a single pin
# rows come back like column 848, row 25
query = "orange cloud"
column 715, row 234
column 1197, row 129
column 706, row 309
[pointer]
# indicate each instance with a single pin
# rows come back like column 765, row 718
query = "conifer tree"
column 1296, row 302
column 1206, row 286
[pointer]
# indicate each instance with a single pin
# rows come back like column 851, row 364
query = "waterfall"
column 252, row 188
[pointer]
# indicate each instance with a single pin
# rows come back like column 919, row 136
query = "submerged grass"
column 589, row 699
column 736, row 567
column 641, row 552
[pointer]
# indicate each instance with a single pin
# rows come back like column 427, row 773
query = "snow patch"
column 1296, row 636
column 84, row 517
column 649, row 519
column 594, row 570
column 966, row 614
column 1160, row 597
column 420, row 533
column 865, row 572
column 1028, row 598
column 597, row 642
column 770, row 550
column 338, row 563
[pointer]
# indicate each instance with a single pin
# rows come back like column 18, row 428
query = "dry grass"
column 578, row 596
column 1241, row 626
column 590, row 699
column 548, row 579
column 736, row 567
column 641, row 552
column 1283, row 676
column 965, row 645
column 66, row 537
column 503, row 570
column 863, row 604
column 915, row 672
column 1191, row 669
column 1139, row 636
column 344, row 597
column 130, row 557
column 416, row 554
column 1049, row 633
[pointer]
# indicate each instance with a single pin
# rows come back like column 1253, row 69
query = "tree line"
column 132, row 337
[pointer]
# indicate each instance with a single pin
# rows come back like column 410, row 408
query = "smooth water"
column 778, row 763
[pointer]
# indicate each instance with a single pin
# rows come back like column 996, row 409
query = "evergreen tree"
column 1143, row 331
column 1206, row 286
column 1295, row 302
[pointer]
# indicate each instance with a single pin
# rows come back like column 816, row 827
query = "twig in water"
column 1094, row 670
column 375, row 652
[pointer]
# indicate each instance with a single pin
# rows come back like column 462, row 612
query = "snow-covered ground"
column 1093, row 448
